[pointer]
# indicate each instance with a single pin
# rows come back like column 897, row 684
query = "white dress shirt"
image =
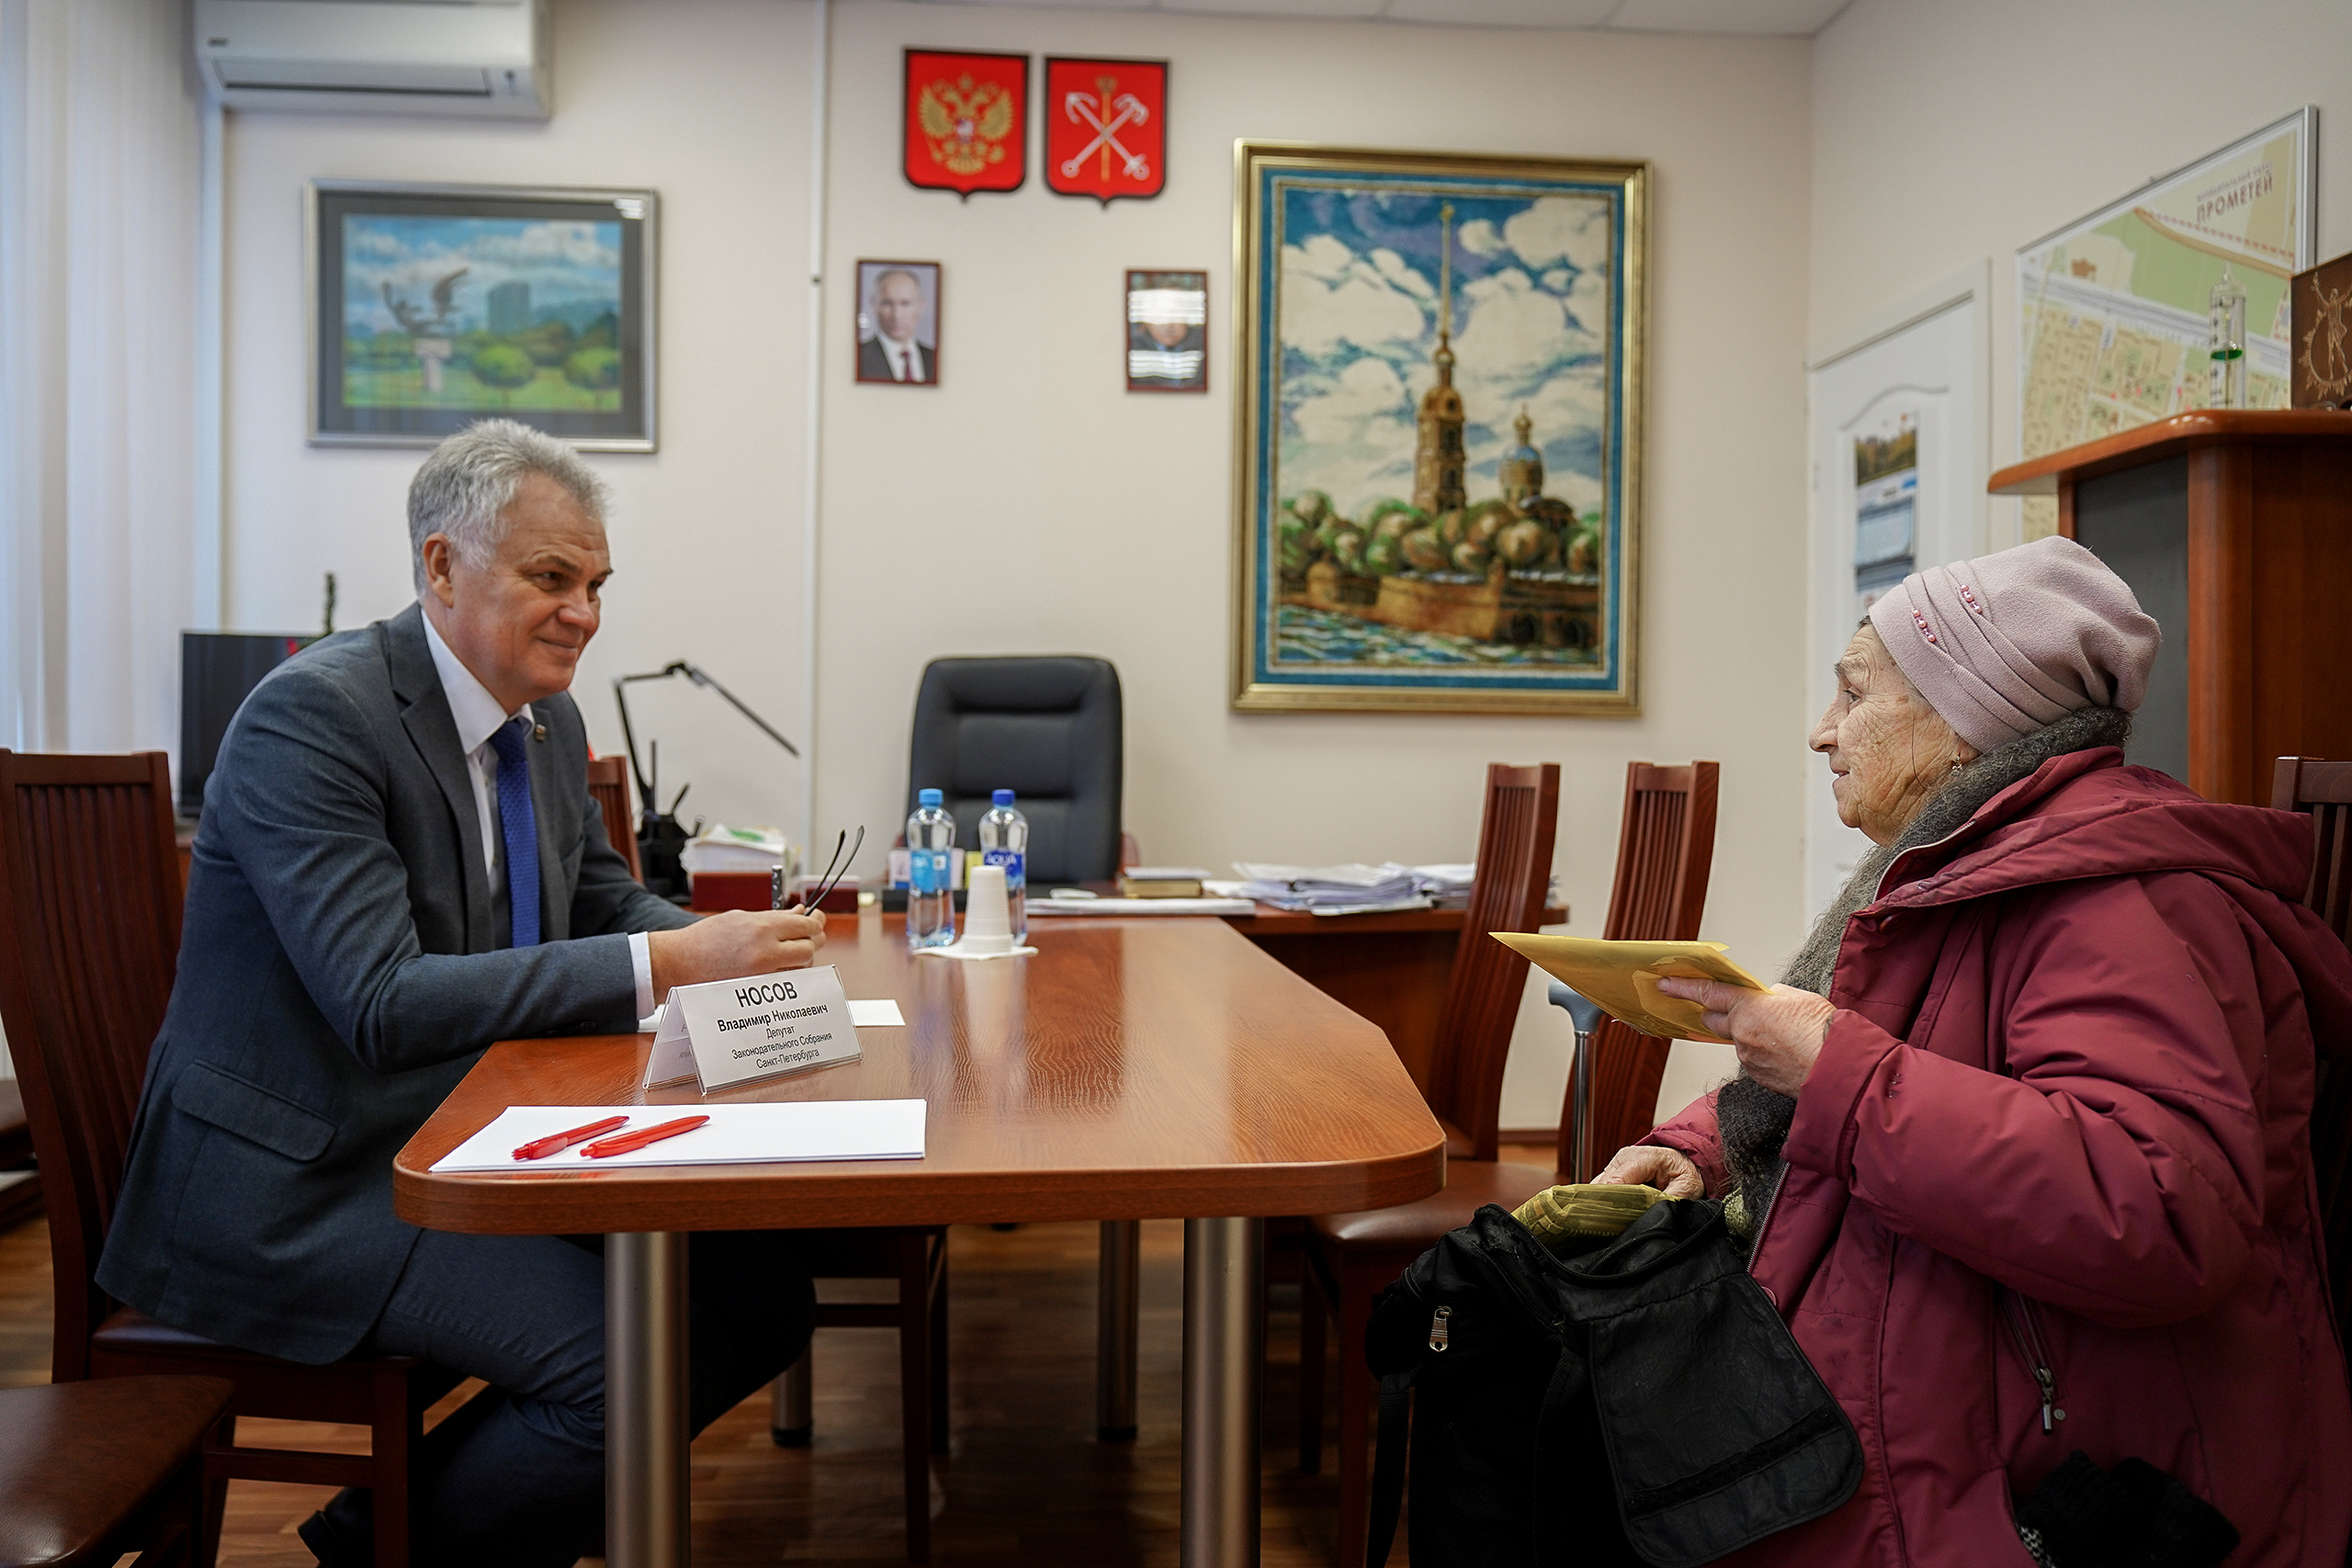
column 906, row 358
column 478, row 717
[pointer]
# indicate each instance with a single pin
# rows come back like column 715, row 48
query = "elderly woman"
column 2020, row 1147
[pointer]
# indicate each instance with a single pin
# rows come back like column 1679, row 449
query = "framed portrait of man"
column 898, row 323
column 1168, row 347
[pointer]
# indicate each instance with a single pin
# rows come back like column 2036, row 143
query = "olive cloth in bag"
column 1638, row 1401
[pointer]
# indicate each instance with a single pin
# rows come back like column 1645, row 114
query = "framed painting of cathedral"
column 1436, row 499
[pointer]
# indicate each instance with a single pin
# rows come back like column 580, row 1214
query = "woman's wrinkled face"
column 1888, row 751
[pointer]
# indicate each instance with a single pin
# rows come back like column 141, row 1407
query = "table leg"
column 791, row 1401
column 1225, row 1342
column 645, row 1400
column 1116, row 1309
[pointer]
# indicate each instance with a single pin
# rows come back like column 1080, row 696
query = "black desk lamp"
column 659, row 840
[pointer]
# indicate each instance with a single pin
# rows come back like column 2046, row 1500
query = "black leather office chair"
column 1048, row 728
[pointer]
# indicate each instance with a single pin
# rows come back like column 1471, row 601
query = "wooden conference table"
column 1392, row 968
column 1142, row 1069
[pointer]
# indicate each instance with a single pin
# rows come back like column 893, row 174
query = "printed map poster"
column 1437, row 502
column 2111, row 311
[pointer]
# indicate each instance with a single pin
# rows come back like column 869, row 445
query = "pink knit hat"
column 2005, row 644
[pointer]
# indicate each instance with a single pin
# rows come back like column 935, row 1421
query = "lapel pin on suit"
column 538, row 732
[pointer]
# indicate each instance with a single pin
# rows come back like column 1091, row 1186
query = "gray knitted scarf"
column 1753, row 1120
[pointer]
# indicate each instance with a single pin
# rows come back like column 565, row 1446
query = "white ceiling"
column 1785, row 18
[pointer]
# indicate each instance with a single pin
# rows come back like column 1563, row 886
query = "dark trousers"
column 516, row 1478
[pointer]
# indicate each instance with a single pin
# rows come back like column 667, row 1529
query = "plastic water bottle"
column 931, row 897
column 1004, row 840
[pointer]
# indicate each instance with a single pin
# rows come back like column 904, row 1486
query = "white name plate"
column 725, row 1032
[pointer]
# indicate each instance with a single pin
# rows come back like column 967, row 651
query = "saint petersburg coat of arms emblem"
column 1106, row 128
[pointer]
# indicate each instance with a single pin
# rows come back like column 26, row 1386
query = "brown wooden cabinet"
column 2234, row 529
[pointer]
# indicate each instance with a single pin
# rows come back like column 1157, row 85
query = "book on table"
column 1162, row 881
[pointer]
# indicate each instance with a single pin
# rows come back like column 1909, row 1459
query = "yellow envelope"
column 1622, row 977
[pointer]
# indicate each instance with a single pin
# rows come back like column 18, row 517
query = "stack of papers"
column 721, row 848
column 735, row 1135
column 1447, row 886
column 1074, row 902
column 1353, row 889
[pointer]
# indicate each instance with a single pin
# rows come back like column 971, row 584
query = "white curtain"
column 99, row 135
column 100, row 120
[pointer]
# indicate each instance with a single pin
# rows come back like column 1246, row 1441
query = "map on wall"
column 2112, row 309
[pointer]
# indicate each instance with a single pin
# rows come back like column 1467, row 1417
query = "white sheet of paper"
column 798, row 1130
column 879, row 1013
column 725, row 1032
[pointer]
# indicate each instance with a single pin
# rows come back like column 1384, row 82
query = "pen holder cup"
column 988, row 917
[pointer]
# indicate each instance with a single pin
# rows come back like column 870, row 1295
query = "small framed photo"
column 1168, row 332
column 898, row 323
column 432, row 306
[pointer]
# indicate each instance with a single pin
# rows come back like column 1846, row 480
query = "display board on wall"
column 2111, row 325
column 1896, row 435
column 1168, row 332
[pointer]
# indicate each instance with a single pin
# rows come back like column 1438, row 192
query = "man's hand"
column 1777, row 1032
column 739, row 942
column 1650, row 1165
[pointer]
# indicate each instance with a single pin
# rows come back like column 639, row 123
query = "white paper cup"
column 988, row 917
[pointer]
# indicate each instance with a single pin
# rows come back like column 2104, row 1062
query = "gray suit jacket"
column 342, row 963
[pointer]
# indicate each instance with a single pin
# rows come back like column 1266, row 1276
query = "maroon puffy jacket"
column 2060, row 1118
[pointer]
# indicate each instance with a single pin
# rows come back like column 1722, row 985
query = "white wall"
column 1944, row 134
column 707, row 103
column 1029, row 503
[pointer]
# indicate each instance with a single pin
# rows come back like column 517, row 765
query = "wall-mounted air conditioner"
column 443, row 57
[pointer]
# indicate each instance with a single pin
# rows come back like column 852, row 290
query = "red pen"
column 556, row 1143
column 628, row 1141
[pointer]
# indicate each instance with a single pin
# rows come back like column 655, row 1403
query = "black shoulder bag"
column 1640, row 1401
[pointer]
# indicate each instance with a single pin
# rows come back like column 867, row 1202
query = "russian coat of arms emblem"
column 967, row 121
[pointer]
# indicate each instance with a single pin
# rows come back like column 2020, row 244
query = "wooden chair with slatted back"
column 608, row 782
column 90, row 903
column 916, row 1257
column 1665, row 850
column 1350, row 1257
column 2324, row 791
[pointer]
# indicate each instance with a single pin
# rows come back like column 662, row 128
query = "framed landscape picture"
column 433, row 306
column 1437, row 497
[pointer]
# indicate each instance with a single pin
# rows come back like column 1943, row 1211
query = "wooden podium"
column 2234, row 529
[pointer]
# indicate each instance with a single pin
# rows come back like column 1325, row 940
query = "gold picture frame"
column 1404, row 325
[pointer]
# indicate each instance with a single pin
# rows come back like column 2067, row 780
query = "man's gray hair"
column 464, row 489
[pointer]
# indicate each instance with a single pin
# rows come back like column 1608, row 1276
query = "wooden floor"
column 1027, row 1483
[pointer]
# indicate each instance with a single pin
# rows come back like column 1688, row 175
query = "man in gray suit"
column 399, row 862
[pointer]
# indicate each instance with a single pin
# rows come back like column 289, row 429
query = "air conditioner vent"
column 348, row 77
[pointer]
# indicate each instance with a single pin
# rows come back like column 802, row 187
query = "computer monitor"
column 217, row 671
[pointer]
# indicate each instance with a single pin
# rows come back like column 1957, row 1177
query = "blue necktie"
column 520, row 828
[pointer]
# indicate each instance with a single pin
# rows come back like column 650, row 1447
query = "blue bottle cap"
column 927, row 797
column 1002, row 797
